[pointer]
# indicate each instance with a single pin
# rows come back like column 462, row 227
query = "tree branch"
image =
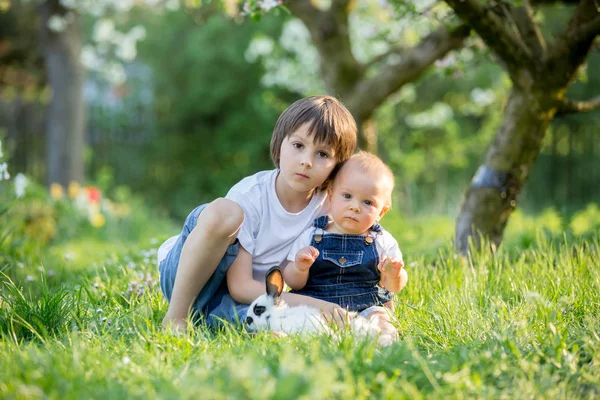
column 573, row 44
column 368, row 94
column 495, row 31
column 329, row 32
column 529, row 30
column 543, row 2
column 573, row 106
column 398, row 50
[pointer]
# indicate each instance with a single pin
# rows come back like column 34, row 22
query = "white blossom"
column 56, row 23
column 172, row 5
column 259, row 46
column 138, row 32
column 268, row 4
column 89, row 58
column 21, row 183
column 124, row 5
column 483, row 97
column 104, row 30
column 70, row 4
column 115, row 72
column 126, row 50
column 437, row 116
column 4, row 175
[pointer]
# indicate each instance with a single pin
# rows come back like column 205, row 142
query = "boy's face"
column 305, row 165
column 358, row 199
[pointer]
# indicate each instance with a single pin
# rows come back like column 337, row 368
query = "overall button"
column 342, row 260
column 368, row 240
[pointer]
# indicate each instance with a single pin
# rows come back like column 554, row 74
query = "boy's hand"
column 390, row 268
column 305, row 257
column 337, row 314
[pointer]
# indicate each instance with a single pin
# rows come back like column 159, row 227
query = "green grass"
column 524, row 323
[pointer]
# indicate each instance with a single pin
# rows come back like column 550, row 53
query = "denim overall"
column 346, row 271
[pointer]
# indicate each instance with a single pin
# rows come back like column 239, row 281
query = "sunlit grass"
column 523, row 323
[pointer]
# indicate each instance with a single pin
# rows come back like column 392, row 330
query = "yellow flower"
column 56, row 191
column 97, row 220
column 74, row 189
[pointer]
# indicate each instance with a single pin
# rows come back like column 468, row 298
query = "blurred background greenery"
column 192, row 112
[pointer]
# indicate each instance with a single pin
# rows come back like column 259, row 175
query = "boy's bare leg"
column 215, row 230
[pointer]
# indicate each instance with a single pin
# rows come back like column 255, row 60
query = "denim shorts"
column 214, row 305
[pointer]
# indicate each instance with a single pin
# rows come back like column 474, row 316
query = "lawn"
column 83, row 321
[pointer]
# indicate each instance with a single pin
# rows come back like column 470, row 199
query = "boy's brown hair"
column 329, row 122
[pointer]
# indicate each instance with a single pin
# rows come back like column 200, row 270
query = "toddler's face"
column 358, row 199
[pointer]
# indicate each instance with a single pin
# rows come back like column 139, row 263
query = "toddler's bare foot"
column 176, row 326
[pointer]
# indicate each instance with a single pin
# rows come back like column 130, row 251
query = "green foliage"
column 213, row 119
column 41, row 316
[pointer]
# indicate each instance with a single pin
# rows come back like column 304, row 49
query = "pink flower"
column 94, row 194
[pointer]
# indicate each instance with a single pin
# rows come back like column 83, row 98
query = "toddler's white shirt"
column 385, row 242
column 268, row 230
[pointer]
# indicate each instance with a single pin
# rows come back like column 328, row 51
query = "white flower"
column 21, row 183
column 126, row 360
column 104, row 30
column 124, row 5
column 259, row 46
column 4, row 175
column 268, row 4
column 437, row 116
column 70, row 4
column 1, row 155
column 56, row 23
column 483, row 97
column 172, row 5
column 115, row 73
column 88, row 58
column 126, row 50
column 138, row 32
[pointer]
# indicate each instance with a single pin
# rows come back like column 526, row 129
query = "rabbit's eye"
column 259, row 309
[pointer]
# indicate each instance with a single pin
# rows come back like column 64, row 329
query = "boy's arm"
column 295, row 274
column 330, row 311
column 242, row 287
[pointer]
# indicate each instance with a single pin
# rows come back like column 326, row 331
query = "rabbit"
column 269, row 312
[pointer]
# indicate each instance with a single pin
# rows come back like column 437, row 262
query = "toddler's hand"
column 305, row 257
column 390, row 268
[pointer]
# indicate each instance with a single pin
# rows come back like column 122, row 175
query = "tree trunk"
column 492, row 196
column 66, row 113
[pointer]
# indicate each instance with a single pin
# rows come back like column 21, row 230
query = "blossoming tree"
column 540, row 73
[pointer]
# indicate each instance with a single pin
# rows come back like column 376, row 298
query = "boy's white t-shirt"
column 385, row 242
column 268, row 230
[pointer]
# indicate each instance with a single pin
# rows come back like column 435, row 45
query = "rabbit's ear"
column 274, row 283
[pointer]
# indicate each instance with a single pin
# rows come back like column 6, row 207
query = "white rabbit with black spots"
column 269, row 312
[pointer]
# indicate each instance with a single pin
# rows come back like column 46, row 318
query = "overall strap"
column 321, row 222
column 376, row 227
